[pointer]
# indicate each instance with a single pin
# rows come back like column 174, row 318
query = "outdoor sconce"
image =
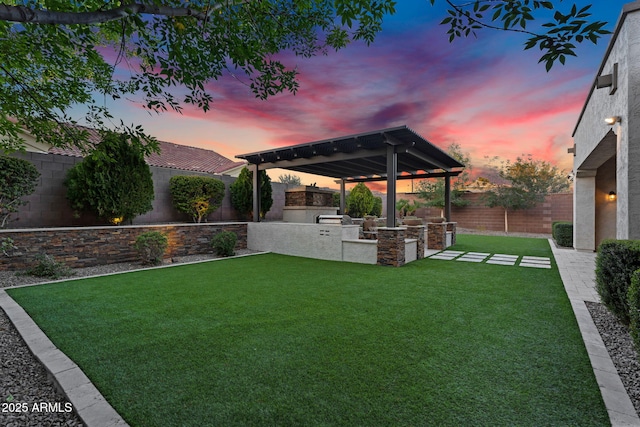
column 612, row 120
column 611, row 196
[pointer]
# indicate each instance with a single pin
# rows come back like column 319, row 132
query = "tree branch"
column 38, row 16
column 466, row 14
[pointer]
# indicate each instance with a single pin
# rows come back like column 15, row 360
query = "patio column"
column 392, row 173
column 447, row 197
column 343, row 197
column 256, row 193
column 584, row 211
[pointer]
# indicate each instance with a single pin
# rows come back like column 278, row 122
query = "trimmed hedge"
column 562, row 232
column 196, row 196
column 617, row 260
column 633, row 299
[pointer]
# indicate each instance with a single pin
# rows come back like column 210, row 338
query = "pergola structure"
column 389, row 154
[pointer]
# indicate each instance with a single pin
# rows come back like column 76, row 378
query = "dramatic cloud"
column 487, row 95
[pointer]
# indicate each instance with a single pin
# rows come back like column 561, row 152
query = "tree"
column 56, row 55
column 529, row 182
column 360, row 201
column 114, row 181
column 18, row 178
column 196, row 196
column 242, row 193
column 432, row 192
column 406, row 207
column 289, row 179
column 376, row 210
column 556, row 38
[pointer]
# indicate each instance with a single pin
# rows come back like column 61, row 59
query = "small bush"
column 563, row 233
column 224, row 243
column 48, row 267
column 615, row 263
column 633, row 299
column 7, row 246
column 151, row 246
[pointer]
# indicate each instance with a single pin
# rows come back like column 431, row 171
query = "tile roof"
column 174, row 156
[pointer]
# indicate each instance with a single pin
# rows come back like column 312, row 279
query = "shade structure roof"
column 362, row 157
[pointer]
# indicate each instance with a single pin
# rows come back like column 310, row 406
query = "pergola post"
column 343, row 197
column 392, row 172
column 256, row 193
column 447, row 197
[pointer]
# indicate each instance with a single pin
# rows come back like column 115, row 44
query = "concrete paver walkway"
column 577, row 270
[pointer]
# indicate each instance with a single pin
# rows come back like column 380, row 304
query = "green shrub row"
column 616, row 263
column 562, row 232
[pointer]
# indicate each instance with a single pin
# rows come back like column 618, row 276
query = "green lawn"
column 278, row 340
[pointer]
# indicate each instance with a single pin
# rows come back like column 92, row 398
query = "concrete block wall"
column 48, row 205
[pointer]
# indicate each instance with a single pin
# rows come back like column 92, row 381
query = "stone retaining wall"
column 90, row 246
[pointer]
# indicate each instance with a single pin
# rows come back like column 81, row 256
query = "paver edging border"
column 616, row 399
column 88, row 403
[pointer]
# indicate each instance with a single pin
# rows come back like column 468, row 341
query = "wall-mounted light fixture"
column 611, row 196
column 613, row 120
column 609, row 80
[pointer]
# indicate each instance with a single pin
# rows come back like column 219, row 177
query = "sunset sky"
column 486, row 94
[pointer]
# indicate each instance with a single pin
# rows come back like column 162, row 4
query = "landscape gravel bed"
column 620, row 346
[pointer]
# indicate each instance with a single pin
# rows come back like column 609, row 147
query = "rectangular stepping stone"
column 446, row 255
column 505, row 256
column 536, row 258
column 443, row 256
column 534, row 265
column 470, row 259
column 501, row 262
column 473, row 257
column 535, row 262
column 484, row 254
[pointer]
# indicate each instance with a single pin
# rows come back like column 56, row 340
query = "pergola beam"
column 403, row 177
column 319, row 159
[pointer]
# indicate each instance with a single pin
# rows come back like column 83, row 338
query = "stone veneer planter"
column 89, row 246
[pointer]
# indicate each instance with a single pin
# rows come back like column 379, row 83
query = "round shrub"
column 224, row 243
column 633, row 298
column 151, row 246
column 615, row 263
column 562, row 232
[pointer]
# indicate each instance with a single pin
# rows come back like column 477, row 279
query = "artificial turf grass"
column 281, row 340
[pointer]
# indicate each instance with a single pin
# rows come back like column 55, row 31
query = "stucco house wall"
column 600, row 147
